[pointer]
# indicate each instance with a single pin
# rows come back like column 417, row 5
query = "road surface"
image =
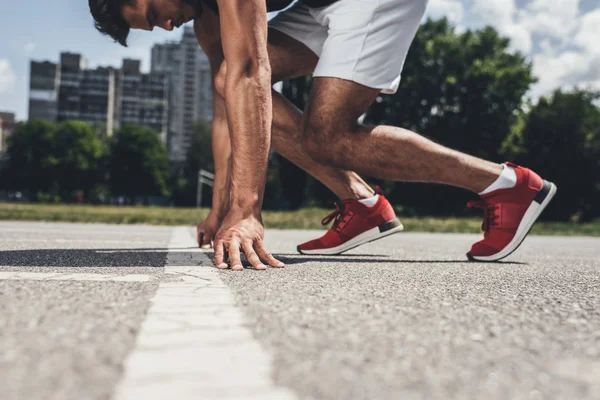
column 90, row 311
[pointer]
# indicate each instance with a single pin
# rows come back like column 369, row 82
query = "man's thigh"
column 334, row 105
column 288, row 57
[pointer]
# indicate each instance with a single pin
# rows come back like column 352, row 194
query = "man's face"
column 166, row 14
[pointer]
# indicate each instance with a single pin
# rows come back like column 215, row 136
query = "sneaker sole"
column 542, row 199
column 387, row 229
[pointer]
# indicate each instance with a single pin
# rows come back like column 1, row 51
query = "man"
column 355, row 50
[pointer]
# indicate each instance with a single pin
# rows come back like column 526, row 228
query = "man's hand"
column 207, row 229
column 244, row 234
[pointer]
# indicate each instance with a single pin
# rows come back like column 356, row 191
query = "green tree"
column 29, row 162
column 200, row 154
column 139, row 165
column 77, row 156
column 560, row 139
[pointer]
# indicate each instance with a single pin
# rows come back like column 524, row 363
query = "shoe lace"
column 490, row 217
column 338, row 216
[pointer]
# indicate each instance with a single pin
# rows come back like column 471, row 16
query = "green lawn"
column 308, row 218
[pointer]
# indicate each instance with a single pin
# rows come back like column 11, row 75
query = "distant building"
column 86, row 95
column 143, row 99
column 43, row 90
column 69, row 90
column 7, row 127
column 170, row 99
column 71, row 68
column 104, row 97
column 190, row 87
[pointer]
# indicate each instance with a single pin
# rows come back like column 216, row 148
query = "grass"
column 308, row 218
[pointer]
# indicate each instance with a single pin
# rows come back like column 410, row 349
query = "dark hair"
column 109, row 20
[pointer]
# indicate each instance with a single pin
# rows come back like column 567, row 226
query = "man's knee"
column 319, row 141
column 220, row 79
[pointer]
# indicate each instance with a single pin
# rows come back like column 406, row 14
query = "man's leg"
column 290, row 59
column 355, row 222
column 332, row 137
column 514, row 196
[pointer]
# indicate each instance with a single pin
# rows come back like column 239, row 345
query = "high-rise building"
column 71, row 74
column 86, row 94
column 70, row 90
column 188, row 70
column 43, row 90
column 104, row 97
column 143, row 98
column 97, row 98
column 7, row 127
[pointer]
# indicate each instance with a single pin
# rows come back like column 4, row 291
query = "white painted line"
column 58, row 276
column 77, row 240
column 194, row 343
column 177, row 250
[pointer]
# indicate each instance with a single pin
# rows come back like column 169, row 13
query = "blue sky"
column 561, row 37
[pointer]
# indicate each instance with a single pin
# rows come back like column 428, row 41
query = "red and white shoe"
column 509, row 214
column 354, row 224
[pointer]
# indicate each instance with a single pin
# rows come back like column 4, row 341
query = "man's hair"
column 109, row 20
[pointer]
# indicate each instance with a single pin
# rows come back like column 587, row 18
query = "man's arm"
column 247, row 97
column 249, row 115
column 208, row 35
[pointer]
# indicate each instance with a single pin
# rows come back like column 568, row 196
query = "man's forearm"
column 221, row 147
column 207, row 30
column 249, row 112
column 248, row 100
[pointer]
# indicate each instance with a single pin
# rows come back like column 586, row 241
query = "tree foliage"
column 53, row 161
column 139, row 164
column 560, row 139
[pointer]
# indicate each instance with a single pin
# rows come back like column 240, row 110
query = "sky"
column 560, row 37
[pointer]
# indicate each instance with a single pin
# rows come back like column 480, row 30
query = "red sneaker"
column 509, row 214
column 354, row 224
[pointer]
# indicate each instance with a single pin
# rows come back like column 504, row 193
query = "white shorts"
column 364, row 41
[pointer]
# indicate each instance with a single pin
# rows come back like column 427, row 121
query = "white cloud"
column 7, row 77
column 588, row 35
column 29, row 47
column 502, row 14
column 548, row 18
column 520, row 38
column 555, row 71
column 495, row 12
column 454, row 10
column 566, row 52
column 551, row 18
column 574, row 63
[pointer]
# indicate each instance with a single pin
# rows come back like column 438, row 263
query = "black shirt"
column 276, row 5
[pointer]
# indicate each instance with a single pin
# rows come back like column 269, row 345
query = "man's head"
column 116, row 17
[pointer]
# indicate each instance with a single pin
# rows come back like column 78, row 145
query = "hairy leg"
column 332, row 136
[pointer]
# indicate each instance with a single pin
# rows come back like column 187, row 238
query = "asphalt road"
column 403, row 318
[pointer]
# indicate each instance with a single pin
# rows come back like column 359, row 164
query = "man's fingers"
column 252, row 257
column 234, row 256
column 219, row 254
column 206, row 242
column 268, row 257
